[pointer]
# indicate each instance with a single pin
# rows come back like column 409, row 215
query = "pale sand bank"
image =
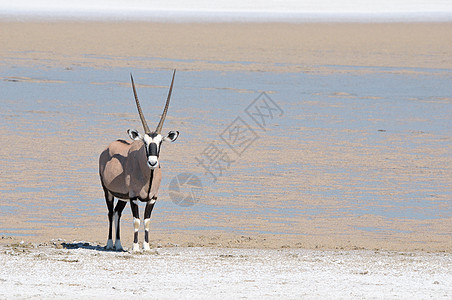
column 230, row 46
column 83, row 270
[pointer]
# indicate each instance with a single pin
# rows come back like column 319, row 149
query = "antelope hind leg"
column 109, row 199
column 117, row 217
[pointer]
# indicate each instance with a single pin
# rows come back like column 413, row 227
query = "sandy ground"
column 216, row 264
column 59, row 269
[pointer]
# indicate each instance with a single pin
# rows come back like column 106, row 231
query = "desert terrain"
column 346, row 192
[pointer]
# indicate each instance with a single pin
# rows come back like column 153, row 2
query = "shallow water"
column 350, row 142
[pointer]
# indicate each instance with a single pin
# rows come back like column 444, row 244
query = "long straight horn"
column 140, row 112
column 162, row 119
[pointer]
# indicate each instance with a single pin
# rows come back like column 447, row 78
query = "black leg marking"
column 118, row 210
column 110, row 204
column 135, row 237
column 136, row 215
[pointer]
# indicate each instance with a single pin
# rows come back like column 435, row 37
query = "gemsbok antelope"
column 131, row 171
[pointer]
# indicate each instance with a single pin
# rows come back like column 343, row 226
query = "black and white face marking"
column 152, row 143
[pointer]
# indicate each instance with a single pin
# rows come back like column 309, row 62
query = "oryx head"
column 152, row 140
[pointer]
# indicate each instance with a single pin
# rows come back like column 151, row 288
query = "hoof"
column 109, row 245
column 135, row 247
column 118, row 246
column 146, row 246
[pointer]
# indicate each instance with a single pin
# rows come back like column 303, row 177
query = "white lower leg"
column 118, row 246
column 109, row 244
column 136, row 227
column 147, row 224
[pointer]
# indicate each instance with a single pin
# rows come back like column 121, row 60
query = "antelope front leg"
column 136, row 224
column 147, row 222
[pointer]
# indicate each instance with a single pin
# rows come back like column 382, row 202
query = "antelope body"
column 131, row 171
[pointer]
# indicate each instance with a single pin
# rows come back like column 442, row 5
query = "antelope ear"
column 171, row 136
column 134, row 134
